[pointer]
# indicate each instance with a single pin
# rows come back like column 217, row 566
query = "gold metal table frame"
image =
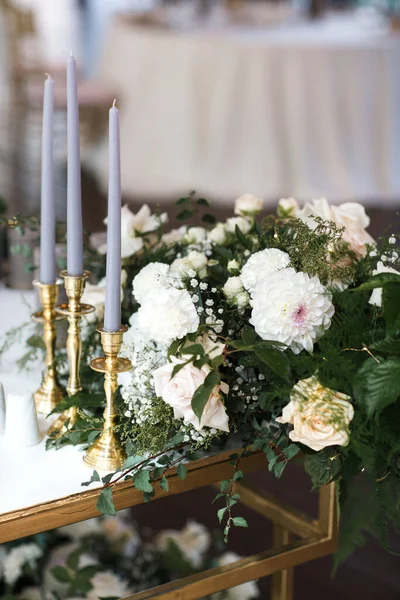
column 298, row 538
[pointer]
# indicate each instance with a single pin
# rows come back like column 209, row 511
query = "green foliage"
column 105, row 504
column 377, row 385
column 203, row 392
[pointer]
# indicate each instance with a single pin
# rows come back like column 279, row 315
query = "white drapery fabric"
column 304, row 110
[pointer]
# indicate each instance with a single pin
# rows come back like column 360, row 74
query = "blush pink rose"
column 178, row 392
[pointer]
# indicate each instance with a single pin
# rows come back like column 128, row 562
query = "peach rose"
column 178, row 392
column 320, row 416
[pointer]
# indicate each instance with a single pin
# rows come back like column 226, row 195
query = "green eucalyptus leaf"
column 164, row 484
column 239, row 522
column 181, row 471
column 105, row 503
column 61, row 574
column 141, row 481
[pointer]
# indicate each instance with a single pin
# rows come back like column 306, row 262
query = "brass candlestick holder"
column 106, row 454
column 74, row 310
column 50, row 392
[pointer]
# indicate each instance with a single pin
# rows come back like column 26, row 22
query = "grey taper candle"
column 112, row 308
column 74, row 194
column 47, row 210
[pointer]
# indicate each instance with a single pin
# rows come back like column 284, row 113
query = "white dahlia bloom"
column 319, row 415
column 291, row 308
column 152, row 277
column 167, row 315
column 248, row 204
column 261, row 264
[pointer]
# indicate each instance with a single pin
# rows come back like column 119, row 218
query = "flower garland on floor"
column 109, row 557
column 283, row 329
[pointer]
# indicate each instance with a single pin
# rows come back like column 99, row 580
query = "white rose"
column 320, row 416
column 288, row 207
column 241, row 222
column 376, row 296
column 233, row 286
column 151, row 277
column 193, row 541
column 350, row 215
column 194, row 261
column 217, row 235
column 167, row 315
column 131, row 224
column 261, row 264
column 178, row 392
column 107, row 584
column 95, row 295
column 248, row 204
column 210, row 343
column 244, row 591
column 195, row 235
column 175, row 235
column 17, row 557
column 233, row 266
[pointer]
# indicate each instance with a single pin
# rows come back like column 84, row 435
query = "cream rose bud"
column 288, row 207
column 320, row 416
column 178, row 392
column 233, row 266
column 376, row 296
column 217, row 235
column 248, row 204
column 195, row 235
column 233, row 287
column 175, row 235
column 194, row 261
column 241, row 222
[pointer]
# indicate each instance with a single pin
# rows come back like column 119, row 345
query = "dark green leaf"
column 391, row 307
column 81, row 400
column 193, row 349
column 202, row 202
column 203, row 392
column 378, row 385
column 182, row 201
column 105, row 503
column 107, row 478
column 131, row 461
column 92, row 436
column 184, row 215
column 174, row 347
column 390, row 345
column 141, row 481
column 246, row 242
column 275, row 360
column 238, row 475
column 317, row 466
column 239, row 522
column 181, row 471
column 291, row 450
column 61, row 574
column 225, row 485
column 378, row 281
column 279, row 468
column 249, row 336
column 208, row 218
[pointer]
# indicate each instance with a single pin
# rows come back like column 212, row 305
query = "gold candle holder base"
column 50, row 392
column 106, row 454
column 73, row 311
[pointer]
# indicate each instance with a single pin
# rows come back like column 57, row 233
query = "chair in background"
column 26, row 69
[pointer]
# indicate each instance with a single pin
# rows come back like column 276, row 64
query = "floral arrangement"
column 109, row 557
column 283, row 331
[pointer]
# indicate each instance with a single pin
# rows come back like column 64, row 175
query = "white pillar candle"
column 21, row 428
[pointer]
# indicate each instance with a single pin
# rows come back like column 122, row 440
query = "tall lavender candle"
column 74, row 199
column 47, row 216
column 112, row 308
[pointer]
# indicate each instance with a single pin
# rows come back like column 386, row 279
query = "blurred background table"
column 304, row 109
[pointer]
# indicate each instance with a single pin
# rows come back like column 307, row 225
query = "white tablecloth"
column 305, row 110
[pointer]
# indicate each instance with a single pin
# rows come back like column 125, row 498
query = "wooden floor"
column 369, row 574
